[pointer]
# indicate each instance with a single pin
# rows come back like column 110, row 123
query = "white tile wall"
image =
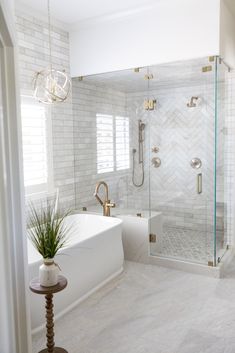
column 34, row 56
column 181, row 134
column 88, row 100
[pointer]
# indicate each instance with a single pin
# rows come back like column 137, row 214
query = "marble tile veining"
column 152, row 309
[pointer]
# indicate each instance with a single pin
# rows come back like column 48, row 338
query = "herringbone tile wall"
column 181, row 134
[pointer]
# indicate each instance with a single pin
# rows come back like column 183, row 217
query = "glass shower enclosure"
column 188, row 136
column 159, row 139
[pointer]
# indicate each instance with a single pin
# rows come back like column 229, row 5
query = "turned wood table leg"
column 36, row 287
column 50, row 323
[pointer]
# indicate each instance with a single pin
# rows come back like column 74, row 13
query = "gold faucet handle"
column 110, row 204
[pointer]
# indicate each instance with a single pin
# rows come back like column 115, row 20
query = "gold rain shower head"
column 192, row 103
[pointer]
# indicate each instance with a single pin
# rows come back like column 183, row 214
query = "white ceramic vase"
column 48, row 273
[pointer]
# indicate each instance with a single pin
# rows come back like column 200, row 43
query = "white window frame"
column 114, row 119
column 42, row 190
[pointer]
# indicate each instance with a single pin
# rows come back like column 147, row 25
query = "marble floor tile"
column 151, row 309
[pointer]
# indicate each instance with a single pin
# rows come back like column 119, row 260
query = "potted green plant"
column 48, row 233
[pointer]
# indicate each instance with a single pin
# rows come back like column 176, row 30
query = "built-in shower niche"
column 141, row 131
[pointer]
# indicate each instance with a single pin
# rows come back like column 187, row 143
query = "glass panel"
column 159, row 138
column 223, row 202
column 182, row 160
column 111, row 140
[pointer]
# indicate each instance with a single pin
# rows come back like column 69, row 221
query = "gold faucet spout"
column 106, row 204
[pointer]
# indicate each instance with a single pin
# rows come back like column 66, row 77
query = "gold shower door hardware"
column 207, row 68
column 148, row 77
column 199, row 183
column 149, row 104
column 211, row 59
column 152, row 238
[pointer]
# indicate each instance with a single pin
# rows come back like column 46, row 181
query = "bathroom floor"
column 151, row 309
column 188, row 244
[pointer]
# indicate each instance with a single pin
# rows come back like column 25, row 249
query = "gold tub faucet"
column 106, row 204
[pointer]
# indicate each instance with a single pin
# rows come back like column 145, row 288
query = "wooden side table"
column 48, row 292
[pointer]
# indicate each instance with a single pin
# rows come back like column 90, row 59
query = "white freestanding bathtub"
column 93, row 256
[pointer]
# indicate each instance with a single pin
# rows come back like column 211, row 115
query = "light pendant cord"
column 49, row 31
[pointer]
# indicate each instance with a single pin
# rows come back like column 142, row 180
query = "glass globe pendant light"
column 50, row 85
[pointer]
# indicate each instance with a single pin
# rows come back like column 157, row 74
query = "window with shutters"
column 37, row 147
column 112, row 143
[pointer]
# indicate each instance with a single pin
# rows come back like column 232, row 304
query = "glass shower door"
column 224, row 146
column 182, row 157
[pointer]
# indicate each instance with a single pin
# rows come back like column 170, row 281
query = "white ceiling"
column 72, row 11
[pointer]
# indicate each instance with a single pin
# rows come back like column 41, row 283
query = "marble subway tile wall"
column 181, row 134
column 34, row 56
column 89, row 100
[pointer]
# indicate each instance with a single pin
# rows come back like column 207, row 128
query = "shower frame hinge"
column 148, row 77
column 210, row 263
column 152, row 238
column 149, row 104
column 211, row 59
column 207, row 68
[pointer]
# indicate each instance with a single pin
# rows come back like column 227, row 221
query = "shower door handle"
column 199, row 183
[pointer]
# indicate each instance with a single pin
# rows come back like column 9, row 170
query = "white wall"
column 33, row 56
column 190, row 29
column 227, row 32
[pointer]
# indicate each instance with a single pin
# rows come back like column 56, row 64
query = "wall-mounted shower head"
column 192, row 103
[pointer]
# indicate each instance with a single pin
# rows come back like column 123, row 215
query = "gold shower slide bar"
column 199, row 183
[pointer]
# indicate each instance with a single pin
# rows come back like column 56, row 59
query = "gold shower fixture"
column 148, row 77
column 149, row 104
column 192, row 103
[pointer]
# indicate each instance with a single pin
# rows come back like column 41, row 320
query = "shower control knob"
column 196, row 163
column 155, row 149
column 156, row 162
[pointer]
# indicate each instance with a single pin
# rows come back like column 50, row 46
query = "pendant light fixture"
column 50, row 85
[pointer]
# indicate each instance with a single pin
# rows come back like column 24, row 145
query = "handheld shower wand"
column 141, row 127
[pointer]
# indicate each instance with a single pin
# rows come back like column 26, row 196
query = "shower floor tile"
column 186, row 244
column 151, row 309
